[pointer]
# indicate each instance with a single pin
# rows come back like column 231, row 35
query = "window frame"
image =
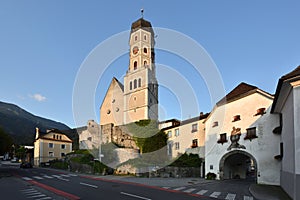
column 177, row 132
column 194, row 127
column 250, row 134
column 222, row 138
column 177, row 145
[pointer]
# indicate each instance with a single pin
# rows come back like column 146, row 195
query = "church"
column 138, row 98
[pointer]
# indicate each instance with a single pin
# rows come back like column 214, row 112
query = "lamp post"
column 100, row 142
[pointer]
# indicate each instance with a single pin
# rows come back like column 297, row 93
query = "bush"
column 185, row 160
column 211, row 176
column 58, row 164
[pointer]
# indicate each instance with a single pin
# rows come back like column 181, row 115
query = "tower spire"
column 142, row 12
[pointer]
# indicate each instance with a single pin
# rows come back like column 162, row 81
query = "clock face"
column 135, row 50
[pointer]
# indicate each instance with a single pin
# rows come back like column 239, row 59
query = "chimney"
column 201, row 114
column 37, row 133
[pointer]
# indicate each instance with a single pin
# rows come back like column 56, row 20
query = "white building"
column 51, row 145
column 239, row 142
column 286, row 103
column 89, row 137
column 186, row 136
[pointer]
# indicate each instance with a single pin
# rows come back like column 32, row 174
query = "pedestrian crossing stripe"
column 46, row 176
column 65, row 175
column 73, row 175
column 27, row 178
column 37, row 177
column 202, row 192
column 215, row 194
column 180, row 188
column 189, row 190
column 230, row 196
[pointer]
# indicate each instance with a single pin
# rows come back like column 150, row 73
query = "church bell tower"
column 140, row 84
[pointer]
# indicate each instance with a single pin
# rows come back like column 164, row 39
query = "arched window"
column 135, row 83
column 145, row 50
column 135, row 65
column 130, row 85
column 145, row 37
column 140, row 82
column 135, row 38
column 145, row 63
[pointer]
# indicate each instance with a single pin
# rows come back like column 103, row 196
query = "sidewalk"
column 270, row 192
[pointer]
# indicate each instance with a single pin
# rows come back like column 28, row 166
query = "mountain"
column 21, row 124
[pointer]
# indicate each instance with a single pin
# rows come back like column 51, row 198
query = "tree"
column 147, row 135
column 5, row 142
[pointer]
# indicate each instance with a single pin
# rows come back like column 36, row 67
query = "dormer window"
column 236, row 118
column 260, row 111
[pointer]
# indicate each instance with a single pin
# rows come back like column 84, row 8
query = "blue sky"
column 43, row 44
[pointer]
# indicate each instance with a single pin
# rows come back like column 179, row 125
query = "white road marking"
column 33, row 193
column 248, row 198
column 73, row 175
column 37, row 177
column 46, row 176
column 180, row 188
column 166, row 187
column 230, row 196
column 56, row 176
column 27, row 178
column 36, row 196
column 86, row 184
column 63, row 179
column 189, row 190
column 215, row 194
column 202, row 192
column 133, row 195
column 65, row 175
column 29, row 192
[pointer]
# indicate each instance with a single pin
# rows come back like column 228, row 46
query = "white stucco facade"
column 287, row 105
column 260, row 150
column 186, row 137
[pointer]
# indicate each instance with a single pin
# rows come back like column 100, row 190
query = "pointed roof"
column 113, row 82
column 240, row 91
column 141, row 24
column 293, row 74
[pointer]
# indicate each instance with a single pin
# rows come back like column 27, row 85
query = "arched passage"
column 238, row 164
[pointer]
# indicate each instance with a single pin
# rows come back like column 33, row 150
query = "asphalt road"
column 39, row 183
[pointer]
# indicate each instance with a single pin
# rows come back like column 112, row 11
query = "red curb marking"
column 56, row 191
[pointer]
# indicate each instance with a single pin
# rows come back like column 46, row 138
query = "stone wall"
column 118, row 135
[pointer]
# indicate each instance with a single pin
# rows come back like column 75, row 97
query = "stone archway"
column 238, row 164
